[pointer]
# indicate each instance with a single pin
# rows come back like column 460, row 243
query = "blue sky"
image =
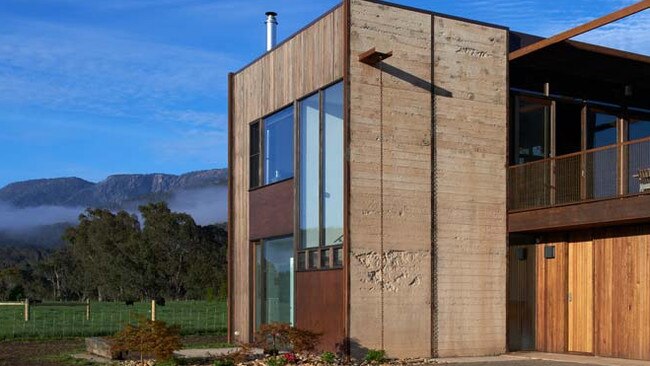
column 90, row 88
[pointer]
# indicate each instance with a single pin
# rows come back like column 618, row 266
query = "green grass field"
column 194, row 317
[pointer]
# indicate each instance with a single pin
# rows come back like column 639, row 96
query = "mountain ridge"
column 36, row 212
column 110, row 192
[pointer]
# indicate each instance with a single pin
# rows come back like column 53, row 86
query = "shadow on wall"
column 352, row 347
column 413, row 80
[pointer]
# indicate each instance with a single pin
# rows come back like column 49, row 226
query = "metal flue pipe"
column 271, row 30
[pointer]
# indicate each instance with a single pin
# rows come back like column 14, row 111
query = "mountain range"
column 36, row 212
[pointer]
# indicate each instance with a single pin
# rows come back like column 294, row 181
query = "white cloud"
column 102, row 72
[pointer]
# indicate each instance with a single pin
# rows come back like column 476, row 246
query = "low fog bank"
column 206, row 205
column 20, row 219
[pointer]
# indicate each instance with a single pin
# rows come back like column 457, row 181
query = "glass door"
column 274, row 281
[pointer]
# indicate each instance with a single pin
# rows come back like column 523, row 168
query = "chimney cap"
column 271, row 13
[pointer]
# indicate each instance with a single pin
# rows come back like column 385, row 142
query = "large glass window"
column 274, row 280
column 637, row 154
column 568, row 128
column 333, row 165
column 638, row 129
column 321, row 178
column 278, row 146
column 532, row 130
column 271, row 140
column 601, row 129
column 310, row 172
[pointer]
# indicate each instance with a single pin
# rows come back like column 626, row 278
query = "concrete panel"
column 390, row 182
column 470, row 73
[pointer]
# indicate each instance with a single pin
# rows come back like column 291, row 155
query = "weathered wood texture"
column 271, row 210
column 322, row 307
column 390, row 182
column 622, row 292
column 521, row 297
column 470, row 117
column 581, row 295
column 310, row 60
column 551, row 307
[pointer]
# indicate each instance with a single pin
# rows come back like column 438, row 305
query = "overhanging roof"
column 582, row 70
column 581, row 29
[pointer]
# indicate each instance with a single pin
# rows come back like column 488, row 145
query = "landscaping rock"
column 102, row 347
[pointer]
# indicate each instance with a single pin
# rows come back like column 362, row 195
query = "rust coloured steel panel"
column 320, row 305
column 271, row 210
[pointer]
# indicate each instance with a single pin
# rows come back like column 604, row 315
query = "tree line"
column 119, row 256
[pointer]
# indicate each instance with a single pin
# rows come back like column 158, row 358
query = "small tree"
column 149, row 337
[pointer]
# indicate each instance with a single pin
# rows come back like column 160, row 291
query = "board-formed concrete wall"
column 390, row 181
column 470, row 119
column 427, row 184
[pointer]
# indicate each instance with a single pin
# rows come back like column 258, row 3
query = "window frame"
column 323, row 255
column 261, row 243
column 261, row 156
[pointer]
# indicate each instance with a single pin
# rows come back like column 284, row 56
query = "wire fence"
column 106, row 318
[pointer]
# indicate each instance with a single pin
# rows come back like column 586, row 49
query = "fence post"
column 26, row 302
column 153, row 310
column 88, row 309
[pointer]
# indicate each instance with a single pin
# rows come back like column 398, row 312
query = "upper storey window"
column 321, row 170
column 271, row 150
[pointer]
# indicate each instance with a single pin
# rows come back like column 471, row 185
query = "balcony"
column 597, row 174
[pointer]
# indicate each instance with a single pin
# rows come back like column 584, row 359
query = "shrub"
column 375, row 355
column 167, row 362
column 290, row 357
column 149, row 338
column 276, row 361
column 241, row 355
column 276, row 336
column 223, row 362
column 328, row 357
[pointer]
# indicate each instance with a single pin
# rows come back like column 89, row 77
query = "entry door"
column 581, row 297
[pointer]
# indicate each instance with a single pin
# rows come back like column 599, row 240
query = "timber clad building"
column 435, row 186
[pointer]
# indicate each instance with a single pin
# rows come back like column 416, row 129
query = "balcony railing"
column 607, row 172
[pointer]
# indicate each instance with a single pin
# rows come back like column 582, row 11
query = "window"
column 255, row 154
column 274, row 279
column 278, row 146
column 310, row 172
column 332, row 165
column 532, row 130
column 638, row 129
column 271, row 141
column 321, row 179
column 601, row 129
column 638, row 153
column 568, row 129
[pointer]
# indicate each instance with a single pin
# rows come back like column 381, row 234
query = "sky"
column 90, row 88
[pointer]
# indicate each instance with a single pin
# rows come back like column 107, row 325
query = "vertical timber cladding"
column 521, row 297
column 390, row 182
column 552, row 289
column 622, row 292
column 470, row 117
column 304, row 63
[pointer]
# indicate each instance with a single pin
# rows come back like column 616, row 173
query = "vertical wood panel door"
column 581, row 297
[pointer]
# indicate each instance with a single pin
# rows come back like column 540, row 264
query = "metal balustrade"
column 607, row 172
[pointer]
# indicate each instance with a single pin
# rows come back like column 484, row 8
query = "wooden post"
column 26, row 302
column 87, row 309
column 153, row 310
